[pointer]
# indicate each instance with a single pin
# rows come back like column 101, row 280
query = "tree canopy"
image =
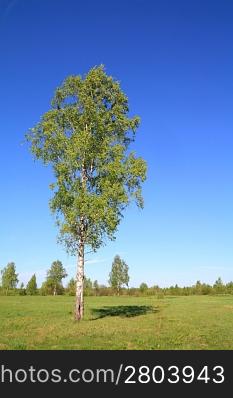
column 55, row 274
column 85, row 137
column 119, row 274
column 9, row 277
column 31, row 288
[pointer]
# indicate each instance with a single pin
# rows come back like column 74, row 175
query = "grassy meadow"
column 122, row 323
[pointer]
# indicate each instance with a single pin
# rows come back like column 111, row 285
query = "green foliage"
column 119, row 274
column 88, row 287
column 96, row 287
column 88, row 291
column 9, row 277
column 87, row 283
column 218, row 286
column 22, row 290
column 48, row 288
column 85, row 137
column 143, row 287
column 198, row 287
column 31, row 288
column 71, row 287
column 55, row 275
column 229, row 288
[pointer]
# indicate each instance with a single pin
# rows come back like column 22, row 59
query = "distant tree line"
column 118, row 284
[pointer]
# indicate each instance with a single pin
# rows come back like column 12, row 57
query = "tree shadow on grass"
column 123, row 311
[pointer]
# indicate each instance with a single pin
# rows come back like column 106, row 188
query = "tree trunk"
column 79, row 308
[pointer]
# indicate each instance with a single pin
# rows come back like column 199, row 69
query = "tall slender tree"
column 9, row 277
column 86, row 137
column 31, row 288
column 55, row 275
column 119, row 274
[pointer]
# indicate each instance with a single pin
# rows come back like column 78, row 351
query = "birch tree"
column 55, row 275
column 119, row 274
column 85, row 137
column 9, row 277
column 31, row 288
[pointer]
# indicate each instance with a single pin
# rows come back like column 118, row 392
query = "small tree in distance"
column 22, row 290
column 55, row 275
column 96, row 286
column 218, row 286
column 31, row 288
column 71, row 287
column 119, row 275
column 143, row 287
column 9, row 277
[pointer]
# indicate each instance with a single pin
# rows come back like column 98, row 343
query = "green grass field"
column 177, row 323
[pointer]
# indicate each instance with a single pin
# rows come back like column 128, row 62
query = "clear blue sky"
column 175, row 62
